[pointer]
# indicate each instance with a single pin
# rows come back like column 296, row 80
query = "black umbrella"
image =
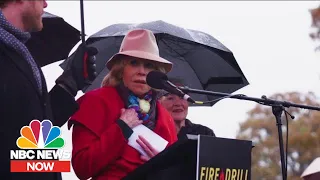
column 198, row 58
column 54, row 42
column 315, row 176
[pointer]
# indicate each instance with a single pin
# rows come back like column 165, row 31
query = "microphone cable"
column 287, row 137
column 218, row 99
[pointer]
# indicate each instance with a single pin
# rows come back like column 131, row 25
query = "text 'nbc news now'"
column 40, row 160
column 40, row 150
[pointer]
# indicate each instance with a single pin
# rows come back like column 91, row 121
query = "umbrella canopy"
column 54, row 42
column 201, row 60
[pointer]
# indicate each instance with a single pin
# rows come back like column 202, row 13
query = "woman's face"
column 177, row 107
column 134, row 74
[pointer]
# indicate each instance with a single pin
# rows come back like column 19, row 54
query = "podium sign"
column 223, row 159
column 199, row 158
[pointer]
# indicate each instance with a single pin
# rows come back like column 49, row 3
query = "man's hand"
column 80, row 70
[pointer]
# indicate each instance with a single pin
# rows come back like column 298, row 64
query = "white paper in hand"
column 156, row 141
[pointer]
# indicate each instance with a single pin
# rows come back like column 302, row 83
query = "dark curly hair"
column 3, row 3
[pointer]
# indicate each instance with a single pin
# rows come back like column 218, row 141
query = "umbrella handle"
column 82, row 22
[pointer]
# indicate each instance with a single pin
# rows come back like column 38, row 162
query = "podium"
column 199, row 157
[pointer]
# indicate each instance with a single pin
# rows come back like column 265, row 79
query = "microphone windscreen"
column 155, row 79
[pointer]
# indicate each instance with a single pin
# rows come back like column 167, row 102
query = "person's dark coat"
column 194, row 129
column 21, row 102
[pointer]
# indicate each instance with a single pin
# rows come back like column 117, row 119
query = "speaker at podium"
column 199, row 157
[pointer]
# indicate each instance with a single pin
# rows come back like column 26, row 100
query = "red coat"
column 100, row 150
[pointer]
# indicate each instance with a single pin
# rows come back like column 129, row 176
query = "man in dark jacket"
column 178, row 108
column 23, row 91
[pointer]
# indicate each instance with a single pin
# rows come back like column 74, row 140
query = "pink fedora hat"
column 140, row 43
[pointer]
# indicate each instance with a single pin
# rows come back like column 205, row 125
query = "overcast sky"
column 269, row 40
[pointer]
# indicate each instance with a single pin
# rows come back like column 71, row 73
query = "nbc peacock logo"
column 40, row 135
column 40, row 149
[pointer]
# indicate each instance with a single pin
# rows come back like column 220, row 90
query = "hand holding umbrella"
column 80, row 70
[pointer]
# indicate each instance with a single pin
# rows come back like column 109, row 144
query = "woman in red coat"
column 104, row 122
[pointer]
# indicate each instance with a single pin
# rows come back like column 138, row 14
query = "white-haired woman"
column 107, row 115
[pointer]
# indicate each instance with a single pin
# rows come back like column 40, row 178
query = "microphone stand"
column 277, row 109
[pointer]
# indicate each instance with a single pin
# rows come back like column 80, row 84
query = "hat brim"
column 143, row 55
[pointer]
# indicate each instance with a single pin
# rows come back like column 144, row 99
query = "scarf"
column 16, row 39
column 132, row 101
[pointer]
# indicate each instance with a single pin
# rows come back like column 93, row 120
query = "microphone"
column 159, row 80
